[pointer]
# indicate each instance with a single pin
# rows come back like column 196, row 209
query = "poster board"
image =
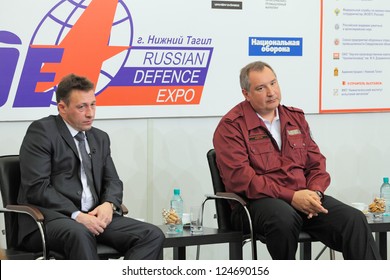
column 178, row 58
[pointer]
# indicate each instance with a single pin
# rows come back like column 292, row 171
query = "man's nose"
column 89, row 111
column 269, row 90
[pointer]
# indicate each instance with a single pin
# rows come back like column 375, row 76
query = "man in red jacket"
column 265, row 154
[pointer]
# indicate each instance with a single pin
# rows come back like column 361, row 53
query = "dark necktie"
column 86, row 160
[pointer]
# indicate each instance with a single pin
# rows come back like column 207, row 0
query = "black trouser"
column 343, row 229
column 136, row 240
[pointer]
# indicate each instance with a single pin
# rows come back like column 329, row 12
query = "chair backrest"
column 222, row 206
column 9, row 187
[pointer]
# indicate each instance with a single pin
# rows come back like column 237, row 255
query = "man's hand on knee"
column 92, row 223
column 308, row 202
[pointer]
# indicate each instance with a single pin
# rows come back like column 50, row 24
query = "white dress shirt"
column 274, row 128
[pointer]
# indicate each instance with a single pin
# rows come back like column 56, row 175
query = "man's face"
column 80, row 112
column 264, row 93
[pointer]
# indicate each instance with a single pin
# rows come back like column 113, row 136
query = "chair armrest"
column 37, row 215
column 124, row 209
column 243, row 203
column 228, row 196
column 232, row 196
column 34, row 212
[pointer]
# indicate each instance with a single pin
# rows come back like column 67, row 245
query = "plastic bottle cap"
column 177, row 191
column 386, row 180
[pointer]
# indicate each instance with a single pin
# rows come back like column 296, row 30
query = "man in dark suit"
column 80, row 209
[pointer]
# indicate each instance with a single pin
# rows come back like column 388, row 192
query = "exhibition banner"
column 178, row 58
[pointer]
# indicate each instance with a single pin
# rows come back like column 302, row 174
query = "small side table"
column 380, row 229
column 180, row 241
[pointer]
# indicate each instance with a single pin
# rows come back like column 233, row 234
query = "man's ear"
column 61, row 106
column 245, row 93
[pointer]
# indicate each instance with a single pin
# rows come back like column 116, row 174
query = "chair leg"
column 321, row 252
column 305, row 251
column 201, row 222
column 254, row 252
column 332, row 254
column 253, row 247
column 197, row 252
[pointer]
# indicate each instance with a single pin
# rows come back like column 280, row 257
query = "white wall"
column 155, row 155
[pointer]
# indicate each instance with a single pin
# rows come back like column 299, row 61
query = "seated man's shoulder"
column 234, row 113
column 99, row 132
column 45, row 122
column 294, row 109
column 49, row 118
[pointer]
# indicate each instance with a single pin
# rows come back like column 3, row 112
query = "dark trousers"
column 136, row 240
column 343, row 229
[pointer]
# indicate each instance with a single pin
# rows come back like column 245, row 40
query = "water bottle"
column 177, row 205
column 385, row 194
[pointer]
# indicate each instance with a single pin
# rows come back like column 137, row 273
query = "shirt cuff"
column 75, row 214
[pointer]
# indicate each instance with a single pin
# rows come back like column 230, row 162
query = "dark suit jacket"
column 50, row 171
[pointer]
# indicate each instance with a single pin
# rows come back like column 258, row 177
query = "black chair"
column 223, row 209
column 9, row 187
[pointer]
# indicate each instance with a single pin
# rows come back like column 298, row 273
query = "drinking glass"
column 196, row 226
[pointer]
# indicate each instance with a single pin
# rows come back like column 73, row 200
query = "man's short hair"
column 254, row 66
column 69, row 83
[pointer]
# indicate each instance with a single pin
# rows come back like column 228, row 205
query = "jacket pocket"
column 263, row 157
column 298, row 149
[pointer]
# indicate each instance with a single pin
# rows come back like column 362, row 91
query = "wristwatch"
column 320, row 194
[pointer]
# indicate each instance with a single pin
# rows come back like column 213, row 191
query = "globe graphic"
column 60, row 19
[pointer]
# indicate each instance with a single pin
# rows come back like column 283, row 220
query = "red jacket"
column 251, row 163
